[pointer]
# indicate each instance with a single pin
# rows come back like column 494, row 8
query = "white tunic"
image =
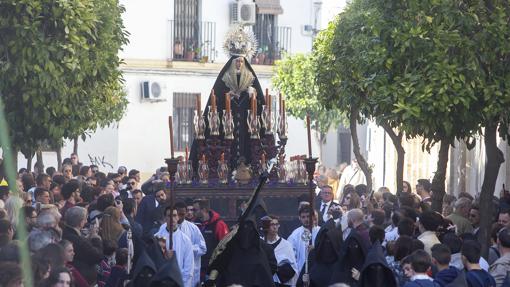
column 199, row 247
column 299, row 245
column 284, row 253
column 183, row 251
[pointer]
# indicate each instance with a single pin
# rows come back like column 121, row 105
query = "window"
column 265, row 31
column 186, row 29
column 344, row 146
column 184, row 107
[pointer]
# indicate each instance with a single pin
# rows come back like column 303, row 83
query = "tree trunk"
column 356, row 149
column 75, row 145
column 494, row 160
column 396, row 139
column 438, row 182
column 39, row 165
column 462, row 167
column 58, row 150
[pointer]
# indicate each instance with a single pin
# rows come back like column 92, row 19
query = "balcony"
column 192, row 41
column 272, row 47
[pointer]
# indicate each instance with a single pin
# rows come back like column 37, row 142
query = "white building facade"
column 174, row 55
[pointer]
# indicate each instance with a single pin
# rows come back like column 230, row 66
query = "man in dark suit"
column 326, row 202
column 150, row 210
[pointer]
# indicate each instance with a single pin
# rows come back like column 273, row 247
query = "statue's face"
column 239, row 63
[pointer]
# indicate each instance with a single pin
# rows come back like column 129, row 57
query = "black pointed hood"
column 375, row 271
column 143, row 266
column 168, row 275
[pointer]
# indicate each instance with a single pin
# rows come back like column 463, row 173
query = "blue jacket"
column 421, row 283
column 446, row 276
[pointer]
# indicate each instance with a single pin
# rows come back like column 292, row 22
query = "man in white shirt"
column 353, row 175
column 296, row 237
column 286, row 259
column 196, row 237
column 182, row 247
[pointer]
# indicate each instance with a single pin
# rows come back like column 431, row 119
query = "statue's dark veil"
column 220, row 89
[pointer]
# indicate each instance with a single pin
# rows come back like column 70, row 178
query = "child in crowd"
column 105, row 267
column 118, row 274
column 446, row 274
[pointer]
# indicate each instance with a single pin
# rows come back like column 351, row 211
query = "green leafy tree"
column 295, row 79
column 59, row 69
column 434, row 69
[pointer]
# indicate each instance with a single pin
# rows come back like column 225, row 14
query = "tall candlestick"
column 170, row 125
column 213, row 101
column 227, row 102
column 280, row 104
column 199, row 105
column 269, row 102
column 186, row 158
column 282, row 112
column 309, row 136
column 267, row 94
column 255, row 103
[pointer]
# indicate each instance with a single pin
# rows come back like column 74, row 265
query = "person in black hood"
column 352, row 255
column 242, row 257
column 246, row 260
column 375, row 271
column 144, row 271
column 168, row 275
column 325, row 254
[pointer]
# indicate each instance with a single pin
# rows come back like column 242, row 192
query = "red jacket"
column 221, row 228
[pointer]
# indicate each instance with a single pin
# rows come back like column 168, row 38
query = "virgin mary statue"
column 238, row 81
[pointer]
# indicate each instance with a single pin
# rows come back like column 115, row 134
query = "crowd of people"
column 89, row 228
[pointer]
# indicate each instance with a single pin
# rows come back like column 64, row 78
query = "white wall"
column 100, row 149
column 147, row 23
column 296, row 14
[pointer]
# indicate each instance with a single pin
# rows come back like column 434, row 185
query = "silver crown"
column 240, row 42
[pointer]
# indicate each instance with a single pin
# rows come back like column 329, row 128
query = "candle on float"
column 255, row 103
column 283, row 108
column 199, row 105
column 309, row 136
column 213, row 101
column 252, row 108
column 227, row 102
column 170, row 126
column 186, row 158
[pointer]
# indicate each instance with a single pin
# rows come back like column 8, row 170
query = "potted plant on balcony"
column 197, row 51
column 190, row 51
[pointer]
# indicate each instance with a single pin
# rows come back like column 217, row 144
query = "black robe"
column 352, row 255
column 168, row 275
column 324, row 256
column 247, row 260
column 375, row 271
column 241, row 146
